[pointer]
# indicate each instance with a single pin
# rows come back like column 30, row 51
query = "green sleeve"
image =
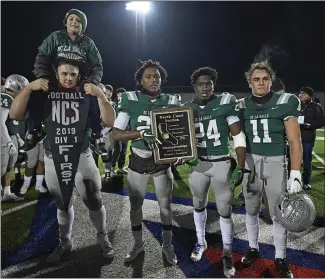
column 233, row 107
column 292, row 108
column 123, row 104
column 48, row 45
column 95, row 63
column 6, row 100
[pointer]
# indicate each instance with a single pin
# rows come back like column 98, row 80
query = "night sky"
column 182, row 36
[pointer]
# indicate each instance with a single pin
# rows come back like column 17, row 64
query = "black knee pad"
column 93, row 201
column 135, row 202
column 225, row 216
column 199, row 209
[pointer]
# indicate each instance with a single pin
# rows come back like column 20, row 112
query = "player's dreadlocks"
column 150, row 64
column 263, row 65
column 204, row 71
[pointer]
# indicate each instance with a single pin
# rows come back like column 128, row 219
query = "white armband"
column 122, row 121
column 239, row 140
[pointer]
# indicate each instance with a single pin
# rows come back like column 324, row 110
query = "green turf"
column 15, row 227
column 31, row 195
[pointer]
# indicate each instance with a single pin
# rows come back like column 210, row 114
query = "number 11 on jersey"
column 266, row 136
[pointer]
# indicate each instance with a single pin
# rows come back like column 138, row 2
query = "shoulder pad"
column 131, row 95
column 227, row 98
column 284, row 98
column 172, row 100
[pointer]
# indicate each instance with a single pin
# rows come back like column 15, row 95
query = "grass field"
column 15, row 226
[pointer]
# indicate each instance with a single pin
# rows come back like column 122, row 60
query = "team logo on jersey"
column 65, row 129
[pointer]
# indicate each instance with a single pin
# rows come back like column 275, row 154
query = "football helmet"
column 295, row 212
column 15, row 83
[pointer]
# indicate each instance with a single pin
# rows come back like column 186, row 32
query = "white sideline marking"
column 319, row 158
column 18, row 208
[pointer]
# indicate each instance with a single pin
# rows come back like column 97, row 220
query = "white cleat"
column 170, row 254
column 228, row 267
column 41, row 189
column 198, row 251
column 106, row 246
column 24, row 189
column 64, row 248
column 136, row 250
column 11, row 197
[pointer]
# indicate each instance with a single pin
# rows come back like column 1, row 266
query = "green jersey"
column 12, row 125
column 264, row 123
column 212, row 124
column 138, row 106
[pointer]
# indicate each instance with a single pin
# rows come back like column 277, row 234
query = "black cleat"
column 282, row 267
column 250, row 256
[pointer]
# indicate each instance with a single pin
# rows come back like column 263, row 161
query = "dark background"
column 183, row 36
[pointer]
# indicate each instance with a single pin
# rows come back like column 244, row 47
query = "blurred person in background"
column 120, row 148
column 310, row 119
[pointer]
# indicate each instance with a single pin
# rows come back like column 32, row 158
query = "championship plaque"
column 175, row 128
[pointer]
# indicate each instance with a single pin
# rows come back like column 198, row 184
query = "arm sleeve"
column 233, row 111
column 5, row 138
column 95, row 65
column 123, row 104
column 43, row 62
column 122, row 121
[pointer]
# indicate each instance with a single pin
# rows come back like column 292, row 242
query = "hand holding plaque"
column 150, row 139
column 174, row 128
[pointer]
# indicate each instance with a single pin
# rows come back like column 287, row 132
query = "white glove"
column 294, row 183
column 12, row 149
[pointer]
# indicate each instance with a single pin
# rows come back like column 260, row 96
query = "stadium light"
column 138, row 6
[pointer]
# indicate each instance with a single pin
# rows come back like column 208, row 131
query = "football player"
column 106, row 132
column 9, row 133
column 87, row 179
column 135, row 107
column 35, row 158
column 215, row 116
column 72, row 44
column 120, row 148
column 267, row 118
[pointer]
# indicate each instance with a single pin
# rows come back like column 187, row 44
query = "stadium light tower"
column 142, row 8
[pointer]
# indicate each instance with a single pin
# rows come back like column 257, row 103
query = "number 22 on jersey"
column 144, row 119
column 212, row 133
